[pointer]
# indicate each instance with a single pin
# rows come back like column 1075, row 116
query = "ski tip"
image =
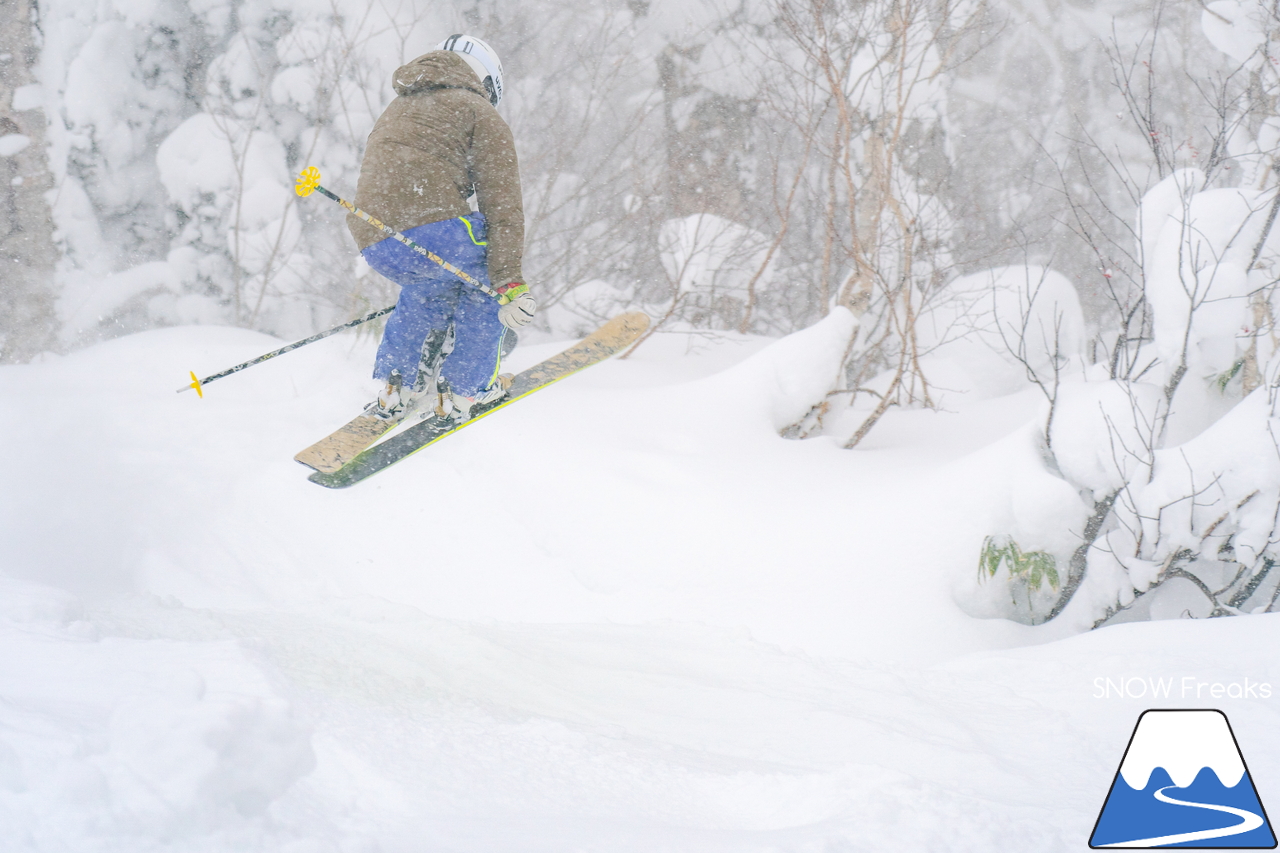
column 623, row 328
column 631, row 323
column 637, row 320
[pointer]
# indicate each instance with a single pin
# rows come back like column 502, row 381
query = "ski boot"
column 459, row 408
column 395, row 402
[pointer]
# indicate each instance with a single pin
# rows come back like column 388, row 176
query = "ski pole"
column 198, row 384
column 309, row 180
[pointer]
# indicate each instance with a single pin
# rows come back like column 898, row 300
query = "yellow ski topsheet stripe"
column 483, row 415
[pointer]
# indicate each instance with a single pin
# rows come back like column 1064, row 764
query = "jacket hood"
column 439, row 69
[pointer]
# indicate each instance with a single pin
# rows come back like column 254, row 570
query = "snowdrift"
column 659, row 625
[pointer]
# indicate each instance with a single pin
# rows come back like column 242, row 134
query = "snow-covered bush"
column 1171, row 438
column 1178, row 471
column 1200, row 535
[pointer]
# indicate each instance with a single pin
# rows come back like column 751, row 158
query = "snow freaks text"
column 1185, row 687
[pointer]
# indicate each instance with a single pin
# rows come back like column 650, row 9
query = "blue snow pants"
column 431, row 297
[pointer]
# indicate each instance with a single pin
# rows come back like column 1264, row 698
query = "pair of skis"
column 366, row 445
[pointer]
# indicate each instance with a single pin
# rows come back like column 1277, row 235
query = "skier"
column 439, row 146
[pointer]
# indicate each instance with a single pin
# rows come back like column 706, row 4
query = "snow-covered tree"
column 867, row 89
column 27, row 323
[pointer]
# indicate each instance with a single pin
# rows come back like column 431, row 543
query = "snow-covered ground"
column 621, row 615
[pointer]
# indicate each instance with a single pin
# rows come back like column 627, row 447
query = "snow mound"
column 149, row 738
column 781, row 383
column 988, row 320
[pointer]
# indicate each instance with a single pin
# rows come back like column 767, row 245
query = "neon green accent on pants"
column 497, row 368
column 471, row 233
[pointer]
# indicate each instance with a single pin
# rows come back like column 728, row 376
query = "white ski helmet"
column 482, row 59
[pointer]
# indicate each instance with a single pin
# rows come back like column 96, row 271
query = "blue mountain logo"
column 1183, row 783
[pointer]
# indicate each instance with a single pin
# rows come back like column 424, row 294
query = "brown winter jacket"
column 429, row 147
